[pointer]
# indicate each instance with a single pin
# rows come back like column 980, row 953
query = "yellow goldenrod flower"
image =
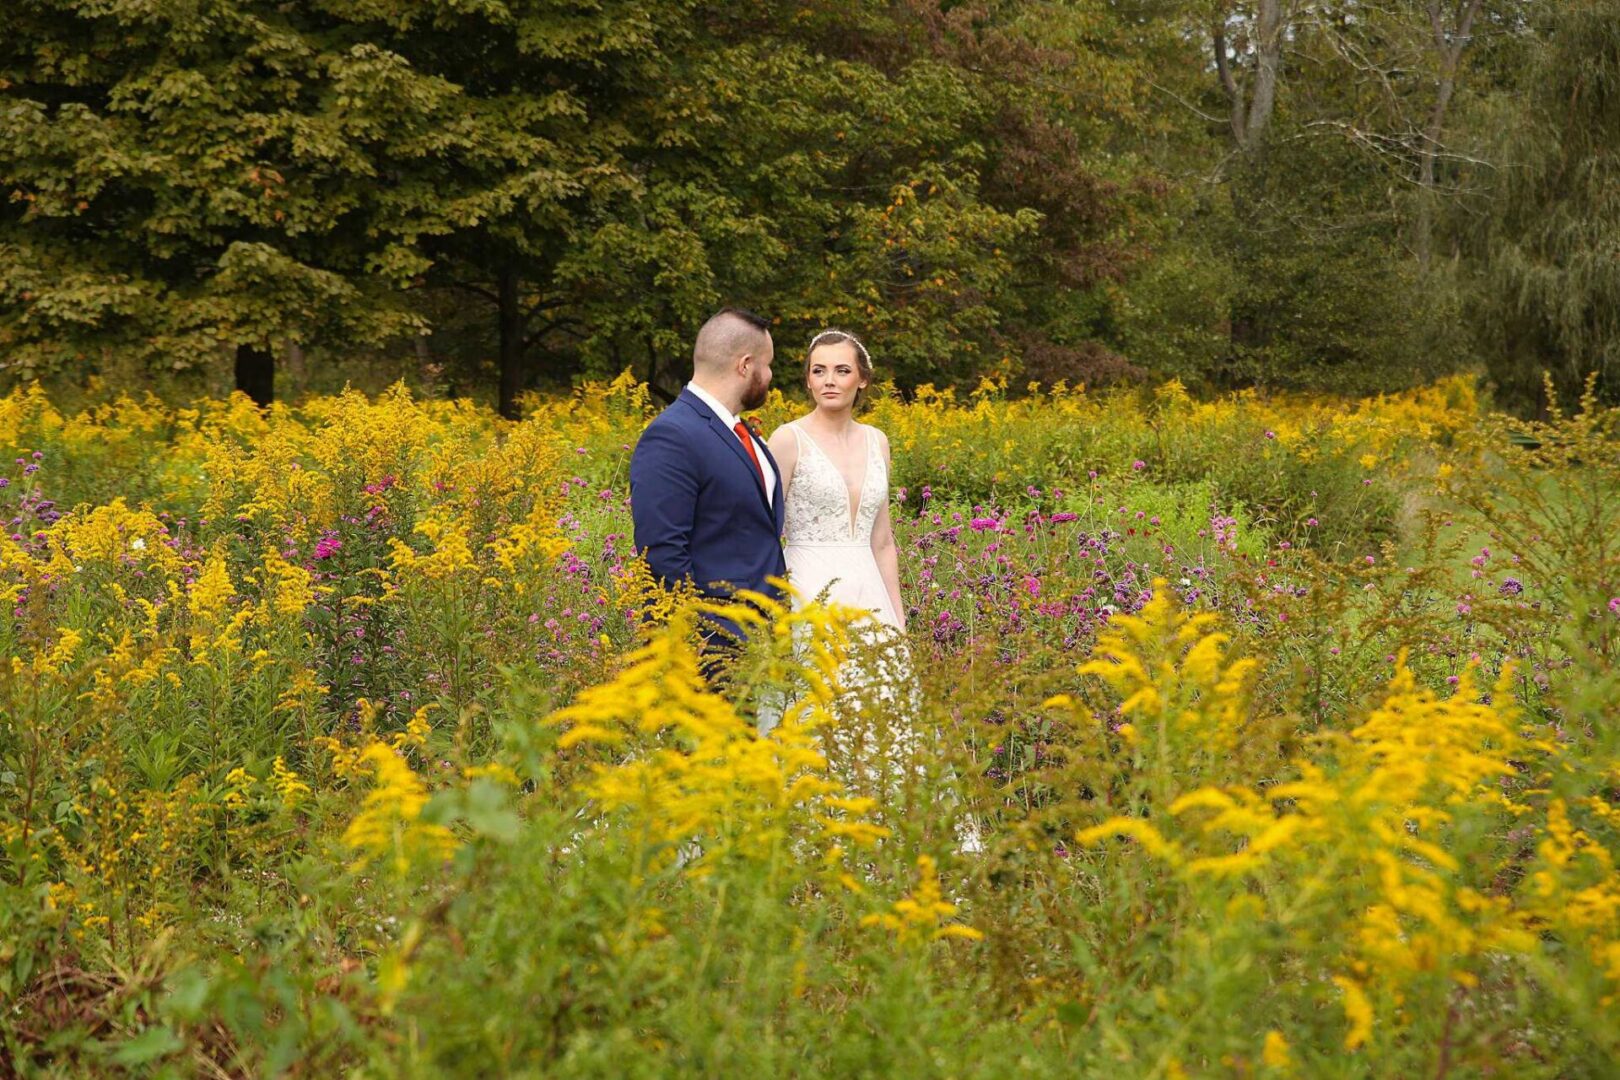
column 1358, row 1011
column 702, row 770
column 922, row 916
column 1275, row 1053
column 389, row 824
column 288, row 787
column 210, row 595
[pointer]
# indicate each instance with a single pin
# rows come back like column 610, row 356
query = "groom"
column 705, row 495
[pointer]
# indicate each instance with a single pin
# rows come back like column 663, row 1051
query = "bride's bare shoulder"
column 784, row 442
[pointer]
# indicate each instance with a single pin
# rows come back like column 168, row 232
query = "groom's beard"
column 756, row 395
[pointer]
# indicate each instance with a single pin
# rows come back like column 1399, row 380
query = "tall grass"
column 352, row 737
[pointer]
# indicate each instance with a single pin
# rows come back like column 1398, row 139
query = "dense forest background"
column 487, row 196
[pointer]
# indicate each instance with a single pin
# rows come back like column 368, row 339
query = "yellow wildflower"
column 1275, row 1053
column 1358, row 1011
column 923, row 915
column 290, row 789
column 706, row 773
column 389, row 824
column 210, row 595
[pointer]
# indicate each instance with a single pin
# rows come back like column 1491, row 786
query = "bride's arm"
column 886, row 551
column 784, row 449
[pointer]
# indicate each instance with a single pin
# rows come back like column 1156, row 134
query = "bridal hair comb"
column 863, row 361
column 838, row 337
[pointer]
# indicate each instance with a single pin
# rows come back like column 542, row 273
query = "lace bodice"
column 818, row 509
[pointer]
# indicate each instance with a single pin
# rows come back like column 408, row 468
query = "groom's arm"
column 663, row 503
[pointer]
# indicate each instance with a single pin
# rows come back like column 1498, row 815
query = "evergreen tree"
column 1548, row 279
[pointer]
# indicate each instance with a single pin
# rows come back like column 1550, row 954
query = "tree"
column 191, row 179
column 553, row 101
column 1547, row 287
column 1451, row 28
column 1313, row 150
column 1248, row 42
column 882, row 169
column 1392, row 72
column 1065, row 88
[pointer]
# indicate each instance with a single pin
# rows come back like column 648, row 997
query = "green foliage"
column 528, row 192
column 182, row 182
column 1547, row 292
column 309, row 805
column 597, row 182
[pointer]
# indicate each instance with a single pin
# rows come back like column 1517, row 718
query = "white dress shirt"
column 730, row 421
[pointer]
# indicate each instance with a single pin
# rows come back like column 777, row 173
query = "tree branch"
column 561, row 323
column 1229, row 83
column 487, row 294
column 1189, row 106
column 542, row 304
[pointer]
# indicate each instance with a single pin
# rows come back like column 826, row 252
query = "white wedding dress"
column 829, row 536
column 828, row 528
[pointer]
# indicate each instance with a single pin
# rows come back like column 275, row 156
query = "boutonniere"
column 755, row 426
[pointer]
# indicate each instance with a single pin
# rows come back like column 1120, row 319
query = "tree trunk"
column 512, row 324
column 295, row 370
column 1450, row 54
column 1234, row 95
column 256, row 374
column 1252, row 105
column 1268, row 62
column 1250, row 78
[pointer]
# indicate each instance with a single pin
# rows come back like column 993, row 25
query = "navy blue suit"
column 699, row 506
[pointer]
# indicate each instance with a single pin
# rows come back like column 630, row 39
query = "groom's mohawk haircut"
column 729, row 333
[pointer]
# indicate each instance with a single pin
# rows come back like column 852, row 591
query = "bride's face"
column 835, row 376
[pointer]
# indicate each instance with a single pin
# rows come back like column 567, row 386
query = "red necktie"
column 748, row 444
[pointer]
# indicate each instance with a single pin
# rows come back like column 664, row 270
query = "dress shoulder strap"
column 802, row 438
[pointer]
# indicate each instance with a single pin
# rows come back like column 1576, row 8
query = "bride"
column 835, row 472
column 840, row 546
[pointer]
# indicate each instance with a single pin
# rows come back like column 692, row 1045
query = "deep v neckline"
column 853, row 499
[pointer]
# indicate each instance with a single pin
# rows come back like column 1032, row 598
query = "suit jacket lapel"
column 776, row 496
column 729, row 437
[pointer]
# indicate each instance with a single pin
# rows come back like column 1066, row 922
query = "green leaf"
column 188, row 994
column 153, row 1043
column 489, row 811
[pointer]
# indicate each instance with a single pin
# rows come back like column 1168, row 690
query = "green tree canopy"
column 238, row 174
column 191, row 178
column 1548, row 250
column 902, row 170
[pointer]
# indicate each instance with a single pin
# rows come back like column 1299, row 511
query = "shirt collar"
column 708, row 399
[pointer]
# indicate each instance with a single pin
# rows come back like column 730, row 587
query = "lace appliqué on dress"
column 818, row 507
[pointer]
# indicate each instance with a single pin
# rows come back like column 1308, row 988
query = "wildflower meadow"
column 350, row 737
